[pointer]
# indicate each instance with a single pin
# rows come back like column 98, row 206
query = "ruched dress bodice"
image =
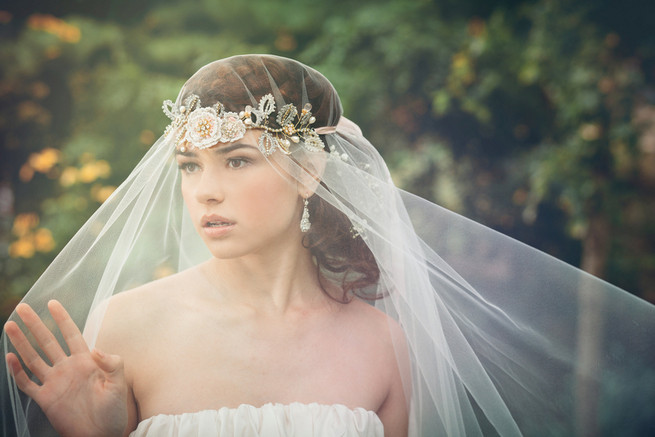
column 270, row 420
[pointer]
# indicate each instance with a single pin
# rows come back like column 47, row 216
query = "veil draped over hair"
column 495, row 329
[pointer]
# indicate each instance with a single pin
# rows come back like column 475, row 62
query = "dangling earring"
column 304, row 220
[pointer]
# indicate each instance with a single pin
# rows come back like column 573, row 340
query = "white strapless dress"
column 270, row 420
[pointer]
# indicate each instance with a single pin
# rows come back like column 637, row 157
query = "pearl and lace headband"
column 202, row 127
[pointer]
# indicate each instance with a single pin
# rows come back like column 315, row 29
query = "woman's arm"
column 132, row 413
column 394, row 412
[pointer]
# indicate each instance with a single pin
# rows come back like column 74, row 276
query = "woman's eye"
column 188, row 167
column 237, row 162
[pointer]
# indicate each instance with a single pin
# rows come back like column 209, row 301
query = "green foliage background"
column 535, row 117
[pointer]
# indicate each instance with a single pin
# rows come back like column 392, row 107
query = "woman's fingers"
column 112, row 364
column 44, row 337
column 68, row 328
column 30, row 357
column 24, row 383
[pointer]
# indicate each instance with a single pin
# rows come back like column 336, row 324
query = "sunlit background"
column 536, row 118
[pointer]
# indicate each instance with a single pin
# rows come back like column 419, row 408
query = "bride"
column 298, row 292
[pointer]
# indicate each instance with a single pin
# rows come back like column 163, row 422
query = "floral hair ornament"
column 203, row 127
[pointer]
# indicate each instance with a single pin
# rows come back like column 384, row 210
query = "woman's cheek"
column 269, row 199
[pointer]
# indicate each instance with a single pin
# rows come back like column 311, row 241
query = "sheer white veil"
column 496, row 330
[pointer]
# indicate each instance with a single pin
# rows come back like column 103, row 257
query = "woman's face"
column 238, row 202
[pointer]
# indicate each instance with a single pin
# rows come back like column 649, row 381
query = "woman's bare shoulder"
column 142, row 309
column 376, row 328
column 156, row 291
column 375, row 318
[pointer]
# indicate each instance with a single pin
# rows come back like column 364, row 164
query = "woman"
column 291, row 221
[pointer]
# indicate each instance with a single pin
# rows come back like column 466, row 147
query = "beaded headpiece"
column 203, row 127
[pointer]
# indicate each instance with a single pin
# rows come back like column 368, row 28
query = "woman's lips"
column 216, row 226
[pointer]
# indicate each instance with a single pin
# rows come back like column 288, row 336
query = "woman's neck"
column 272, row 281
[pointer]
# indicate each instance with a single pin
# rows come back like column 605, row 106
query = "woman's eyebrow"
column 185, row 153
column 228, row 149
column 220, row 150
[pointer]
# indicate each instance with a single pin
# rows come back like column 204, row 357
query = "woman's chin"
column 228, row 248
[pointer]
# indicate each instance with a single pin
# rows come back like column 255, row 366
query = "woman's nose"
column 209, row 188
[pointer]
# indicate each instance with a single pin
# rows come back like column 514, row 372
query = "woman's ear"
column 312, row 168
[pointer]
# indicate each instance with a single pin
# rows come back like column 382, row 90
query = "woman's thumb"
column 107, row 362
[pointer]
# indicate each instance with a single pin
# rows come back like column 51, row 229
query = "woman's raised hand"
column 82, row 394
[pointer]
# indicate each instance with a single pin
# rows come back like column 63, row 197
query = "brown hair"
column 340, row 251
column 242, row 80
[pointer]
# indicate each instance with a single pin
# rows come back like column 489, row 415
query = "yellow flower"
column 68, row 177
column 22, row 248
column 43, row 241
column 100, row 193
column 44, row 160
column 88, row 173
column 70, row 33
column 103, row 168
column 93, row 170
column 48, row 23
column 24, row 223
column 26, row 173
